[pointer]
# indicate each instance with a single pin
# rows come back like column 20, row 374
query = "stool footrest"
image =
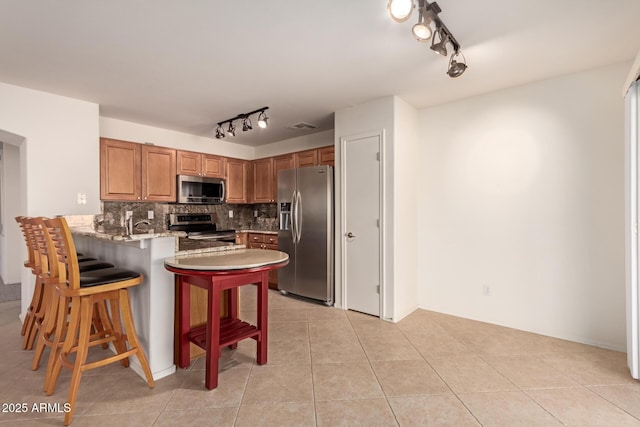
column 231, row 331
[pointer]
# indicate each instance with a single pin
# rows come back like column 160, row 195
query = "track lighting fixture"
column 428, row 26
column 245, row 120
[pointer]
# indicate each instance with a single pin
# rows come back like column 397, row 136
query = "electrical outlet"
column 149, row 214
column 128, row 214
column 486, row 290
column 230, row 214
column 255, row 213
column 82, row 199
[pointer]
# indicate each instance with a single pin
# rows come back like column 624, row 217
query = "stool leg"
column 119, row 343
column 132, row 337
column 86, row 310
column 30, row 320
column 67, row 339
column 184, row 325
column 48, row 329
column 98, row 326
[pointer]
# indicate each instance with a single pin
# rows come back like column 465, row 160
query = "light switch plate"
column 149, row 214
column 230, row 214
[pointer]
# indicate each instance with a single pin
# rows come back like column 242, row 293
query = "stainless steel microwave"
column 200, row 190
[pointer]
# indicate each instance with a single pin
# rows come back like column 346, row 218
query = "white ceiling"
column 185, row 65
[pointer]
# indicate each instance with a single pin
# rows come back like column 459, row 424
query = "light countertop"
column 227, row 260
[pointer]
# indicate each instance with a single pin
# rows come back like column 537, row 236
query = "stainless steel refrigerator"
column 305, row 213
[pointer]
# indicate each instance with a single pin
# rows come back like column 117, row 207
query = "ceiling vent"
column 302, row 126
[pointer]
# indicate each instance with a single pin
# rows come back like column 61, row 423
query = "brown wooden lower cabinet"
column 265, row 241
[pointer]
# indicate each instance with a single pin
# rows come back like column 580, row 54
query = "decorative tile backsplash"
column 243, row 215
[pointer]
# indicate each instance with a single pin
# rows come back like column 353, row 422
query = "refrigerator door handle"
column 299, row 216
column 294, row 217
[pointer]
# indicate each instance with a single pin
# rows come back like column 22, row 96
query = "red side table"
column 216, row 272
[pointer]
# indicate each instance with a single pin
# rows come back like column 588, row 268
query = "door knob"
column 351, row 235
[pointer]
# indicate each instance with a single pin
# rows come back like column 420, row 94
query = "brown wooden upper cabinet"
column 263, row 189
column 306, row 158
column 237, row 181
column 200, row 164
column 158, row 174
column 136, row 172
column 282, row 162
column 326, row 155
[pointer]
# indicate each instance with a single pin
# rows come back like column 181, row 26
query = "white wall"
column 406, row 215
column 397, row 121
column 522, row 190
column 59, row 155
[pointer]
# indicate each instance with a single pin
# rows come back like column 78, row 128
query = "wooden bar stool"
column 81, row 293
column 35, row 316
column 50, row 277
column 32, row 262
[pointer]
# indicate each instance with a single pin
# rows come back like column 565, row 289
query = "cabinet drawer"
column 256, row 238
column 271, row 239
column 270, row 246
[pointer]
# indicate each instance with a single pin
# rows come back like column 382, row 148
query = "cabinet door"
column 213, row 166
column 326, row 155
column 237, row 172
column 158, row 174
column 306, row 158
column 283, row 162
column 189, row 163
column 263, row 181
column 119, row 170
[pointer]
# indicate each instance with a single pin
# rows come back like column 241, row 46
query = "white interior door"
column 361, row 224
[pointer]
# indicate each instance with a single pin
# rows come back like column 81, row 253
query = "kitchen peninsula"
column 153, row 301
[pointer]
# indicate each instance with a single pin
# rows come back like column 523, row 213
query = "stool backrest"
column 25, row 226
column 65, row 252
column 46, row 250
column 40, row 245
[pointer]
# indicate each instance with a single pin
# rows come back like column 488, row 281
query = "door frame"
column 380, row 134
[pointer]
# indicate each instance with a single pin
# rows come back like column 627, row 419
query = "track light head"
column 231, row 130
column 219, row 132
column 441, row 47
column 422, row 30
column 400, row 10
column 456, row 69
column 263, row 120
column 246, row 124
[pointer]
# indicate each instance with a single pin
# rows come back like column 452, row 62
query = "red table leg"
column 213, row 336
column 263, row 310
column 184, row 322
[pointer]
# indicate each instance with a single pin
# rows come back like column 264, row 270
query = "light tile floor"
column 329, row 367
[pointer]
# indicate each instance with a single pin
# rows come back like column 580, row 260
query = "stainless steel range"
column 201, row 231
